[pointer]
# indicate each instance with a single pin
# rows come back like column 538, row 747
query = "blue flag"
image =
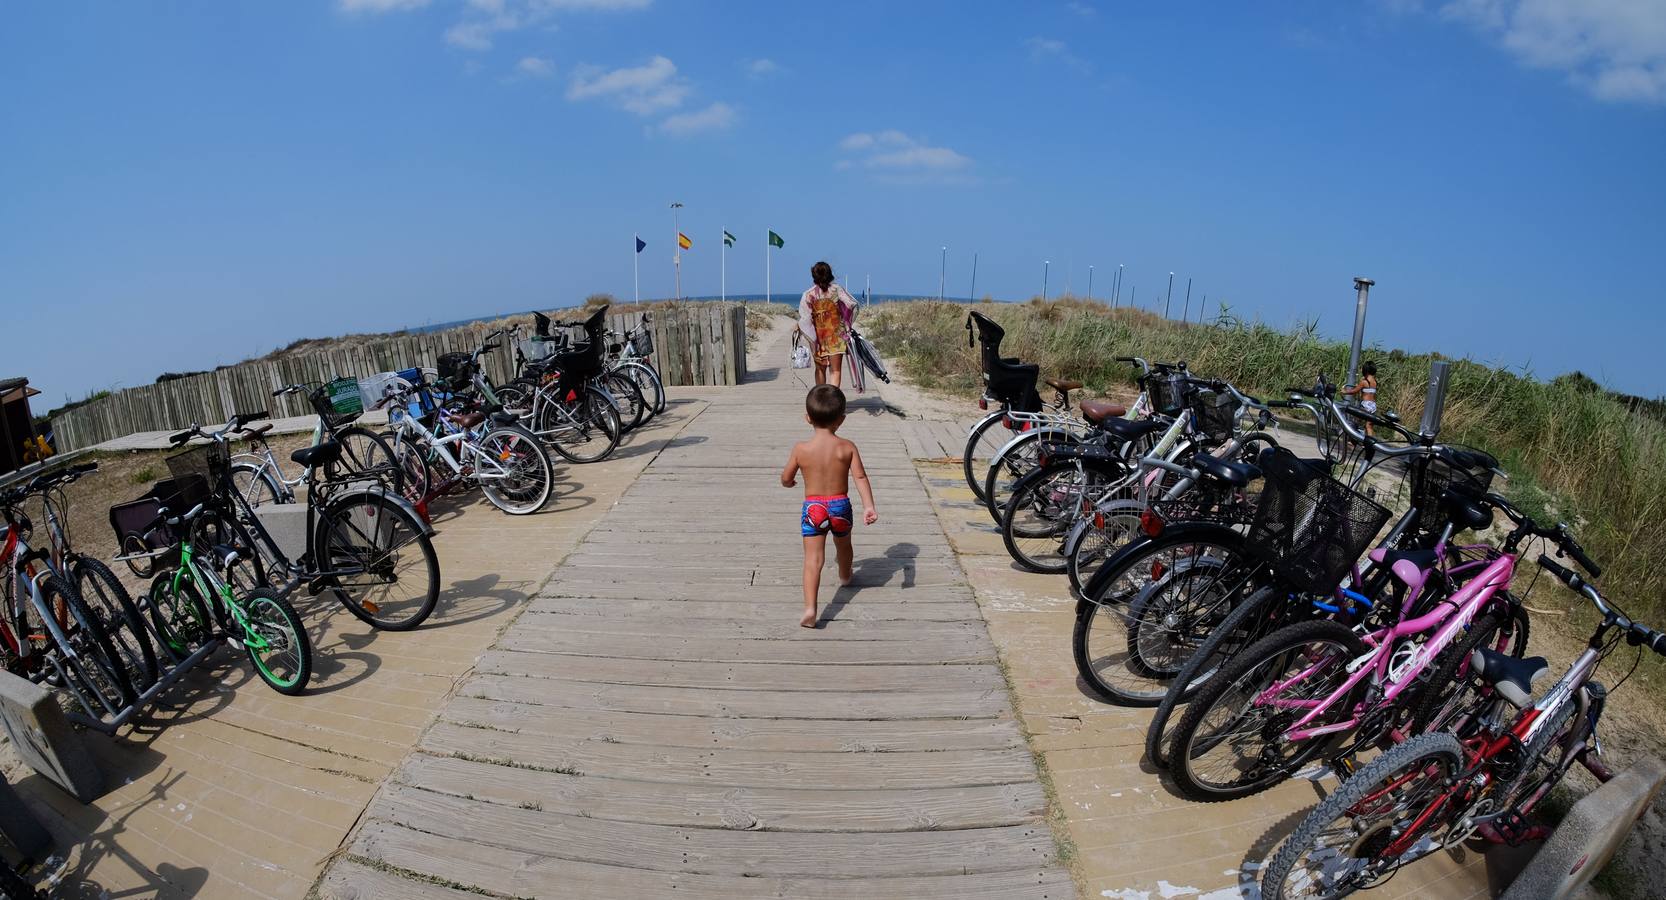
column 640, row 243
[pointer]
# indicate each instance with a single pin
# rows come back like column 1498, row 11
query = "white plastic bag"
column 801, row 352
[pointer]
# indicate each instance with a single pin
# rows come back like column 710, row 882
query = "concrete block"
column 45, row 739
column 1590, row 835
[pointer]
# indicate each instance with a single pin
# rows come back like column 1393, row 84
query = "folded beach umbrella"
column 869, row 357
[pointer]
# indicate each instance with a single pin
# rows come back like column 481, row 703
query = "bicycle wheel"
column 1045, row 504
column 519, row 477
column 101, row 671
column 132, row 545
column 1258, row 616
column 985, row 439
column 632, row 408
column 110, row 603
column 276, row 642
column 389, row 574
column 364, row 453
column 1107, row 529
column 1452, row 692
column 647, row 381
column 1021, row 457
column 1204, row 566
column 179, row 614
column 1388, row 814
column 254, row 484
column 584, row 428
column 413, row 463
column 1231, row 741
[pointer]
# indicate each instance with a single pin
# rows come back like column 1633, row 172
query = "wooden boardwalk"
column 656, row 720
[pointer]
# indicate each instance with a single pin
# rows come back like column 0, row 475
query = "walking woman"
column 824, row 315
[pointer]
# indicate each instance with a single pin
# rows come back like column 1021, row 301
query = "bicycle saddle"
column 1236, row 474
column 1512, row 677
column 471, row 419
column 1125, row 430
column 500, row 417
column 1059, row 384
column 319, row 455
column 1465, row 512
column 1095, row 411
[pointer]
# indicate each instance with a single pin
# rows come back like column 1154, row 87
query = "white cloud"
column 1081, row 9
column 488, row 18
column 471, row 35
column 760, row 68
column 646, row 89
column 1614, row 49
column 1049, row 49
column 896, row 152
column 534, row 67
column 380, row 6
column 715, row 117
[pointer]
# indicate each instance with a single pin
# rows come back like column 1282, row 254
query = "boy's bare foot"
column 808, row 620
column 845, row 578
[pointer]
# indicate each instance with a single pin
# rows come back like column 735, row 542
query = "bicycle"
column 47, row 634
column 1495, row 757
column 630, row 356
column 1298, row 692
column 506, row 461
column 560, row 399
column 260, row 478
column 99, row 588
column 364, row 544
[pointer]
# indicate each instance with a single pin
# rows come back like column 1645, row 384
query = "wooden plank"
column 757, row 609
column 548, row 615
column 717, row 851
column 516, row 873
column 809, row 735
column 800, row 677
column 719, row 650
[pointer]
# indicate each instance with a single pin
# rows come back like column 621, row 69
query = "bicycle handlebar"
column 1637, row 634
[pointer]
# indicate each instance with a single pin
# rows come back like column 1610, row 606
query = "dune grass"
column 1575, row 452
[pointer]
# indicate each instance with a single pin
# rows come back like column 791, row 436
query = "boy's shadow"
column 870, row 572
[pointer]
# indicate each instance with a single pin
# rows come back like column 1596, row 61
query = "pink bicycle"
column 1305, row 689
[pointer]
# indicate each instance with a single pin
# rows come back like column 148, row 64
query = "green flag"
column 728, row 239
column 775, row 240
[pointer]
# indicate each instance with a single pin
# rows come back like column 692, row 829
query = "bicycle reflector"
column 983, row 403
column 1151, row 522
column 1157, row 570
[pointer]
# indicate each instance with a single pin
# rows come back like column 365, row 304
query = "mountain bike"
column 357, row 539
column 103, row 593
column 197, row 601
column 1301, row 691
column 260, row 478
column 47, row 634
column 1496, row 756
column 507, row 462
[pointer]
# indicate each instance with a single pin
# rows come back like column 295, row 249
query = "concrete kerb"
column 1589, row 835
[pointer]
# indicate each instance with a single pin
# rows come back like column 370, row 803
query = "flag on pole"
column 728, row 239
column 683, row 241
column 640, row 244
column 775, row 240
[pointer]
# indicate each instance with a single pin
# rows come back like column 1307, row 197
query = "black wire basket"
column 1206, row 506
column 1309, row 527
column 1457, row 469
column 198, row 472
column 1167, row 394
column 324, row 405
column 643, row 341
column 1214, row 416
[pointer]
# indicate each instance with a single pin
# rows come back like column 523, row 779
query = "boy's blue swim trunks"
column 824, row 515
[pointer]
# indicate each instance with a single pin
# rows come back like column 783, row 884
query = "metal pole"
column 942, row 273
column 1116, row 292
column 677, row 239
column 636, row 280
column 1200, row 305
column 1434, row 403
column 1168, row 296
column 973, row 294
column 1133, row 292
column 1363, row 286
column 1090, row 284
column 767, row 247
column 1045, row 265
column 723, row 266
column 1186, row 313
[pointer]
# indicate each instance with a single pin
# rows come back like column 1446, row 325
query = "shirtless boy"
column 828, row 462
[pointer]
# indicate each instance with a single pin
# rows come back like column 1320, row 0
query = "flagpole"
column 723, row 267
column 636, row 279
column 767, row 247
column 677, row 238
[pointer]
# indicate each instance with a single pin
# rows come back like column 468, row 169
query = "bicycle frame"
column 219, row 592
column 463, row 438
column 1444, row 621
column 16, row 555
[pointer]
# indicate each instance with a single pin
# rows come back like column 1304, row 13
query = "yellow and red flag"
column 683, row 241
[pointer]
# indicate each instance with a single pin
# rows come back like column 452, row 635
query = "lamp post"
column 1090, row 284
column 942, row 272
column 972, row 294
column 1045, row 264
column 1186, row 313
column 1168, row 296
column 1116, row 286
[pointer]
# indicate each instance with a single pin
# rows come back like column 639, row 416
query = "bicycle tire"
column 121, row 619
column 365, row 453
column 256, row 485
column 1204, row 551
column 1114, row 524
column 132, row 545
column 631, row 406
column 181, row 617
column 413, row 462
column 1417, row 754
column 593, row 418
column 974, row 462
column 1245, row 668
column 1452, row 667
column 648, row 382
column 339, row 535
column 1018, row 461
column 535, row 471
column 90, row 642
column 273, row 620
column 1055, row 509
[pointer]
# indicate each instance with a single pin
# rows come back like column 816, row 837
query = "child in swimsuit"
column 1367, row 390
column 828, row 463
column 824, row 315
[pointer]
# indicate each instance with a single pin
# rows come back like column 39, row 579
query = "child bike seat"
column 1096, row 411
column 1512, row 677
column 320, row 455
column 1236, row 474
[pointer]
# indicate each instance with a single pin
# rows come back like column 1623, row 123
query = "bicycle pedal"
column 233, row 643
column 1344, row 767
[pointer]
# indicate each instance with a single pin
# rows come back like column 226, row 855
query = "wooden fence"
column 699, row 344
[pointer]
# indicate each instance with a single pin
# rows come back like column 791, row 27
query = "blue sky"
column 187, row 184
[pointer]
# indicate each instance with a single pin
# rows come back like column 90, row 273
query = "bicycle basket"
column 1458, row 469
column 1168, row 394
column 643, row 341
column 1207, row 506
column 456, row 370
column 1309, row 527
column 198, row 473
column 1214, row 416
column 325, row 405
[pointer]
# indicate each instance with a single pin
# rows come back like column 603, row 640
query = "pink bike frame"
column 1449, row 617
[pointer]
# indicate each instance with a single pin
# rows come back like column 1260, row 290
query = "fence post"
column 1363, row 287
column 1434, row 403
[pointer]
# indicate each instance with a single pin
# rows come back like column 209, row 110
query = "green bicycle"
column 255, row 619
